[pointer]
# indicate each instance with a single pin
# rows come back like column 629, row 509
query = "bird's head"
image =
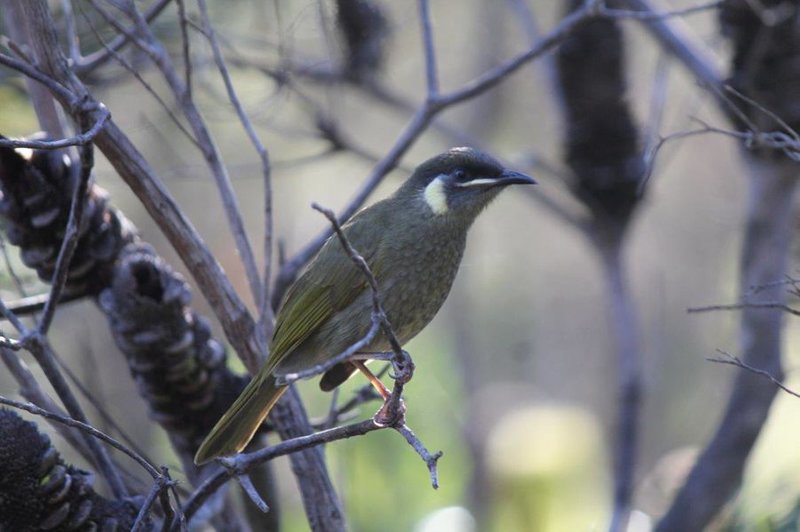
column 459, row 182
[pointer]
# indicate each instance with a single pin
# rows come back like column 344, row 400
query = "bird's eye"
column 459, row 175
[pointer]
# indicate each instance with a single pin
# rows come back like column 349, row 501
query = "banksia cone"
column 37, row 189
column 178, row 366
column 602, row 144
column 766, row 47
column 38, row 491
column 364, row 30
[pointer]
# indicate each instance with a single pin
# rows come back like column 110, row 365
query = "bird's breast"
column 419, row 278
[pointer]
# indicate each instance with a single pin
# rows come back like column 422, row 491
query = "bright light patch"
column 435, row 196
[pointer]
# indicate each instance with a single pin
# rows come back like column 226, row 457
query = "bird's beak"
column 510, row 177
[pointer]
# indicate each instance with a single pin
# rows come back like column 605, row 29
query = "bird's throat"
column 436, row 196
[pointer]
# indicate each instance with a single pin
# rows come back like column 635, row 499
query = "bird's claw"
column 392, row 413
column 403, row 367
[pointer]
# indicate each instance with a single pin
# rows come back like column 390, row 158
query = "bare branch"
column 431, row 75
column 263, row 299
column 81, row 139
column 658, row 14
column 739, row 306
column 72, row 234
column 94, row 60
column 732, row 360
column 144, row 38
column 675, row 36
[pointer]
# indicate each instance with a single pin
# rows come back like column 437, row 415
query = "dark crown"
column 473, row 162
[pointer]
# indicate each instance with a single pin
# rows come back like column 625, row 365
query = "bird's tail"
column 236, row 427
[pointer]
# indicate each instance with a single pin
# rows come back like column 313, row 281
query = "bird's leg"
column 375, row 381
column 403, row 366
column 391, row 412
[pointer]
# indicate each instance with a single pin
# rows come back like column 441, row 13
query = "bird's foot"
column 402, row 367
column 392, row 413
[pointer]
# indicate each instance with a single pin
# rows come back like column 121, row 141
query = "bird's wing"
column 330, row 283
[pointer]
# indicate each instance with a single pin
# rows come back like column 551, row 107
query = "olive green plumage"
column 413, row 242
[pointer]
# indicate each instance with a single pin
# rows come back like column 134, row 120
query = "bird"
column 413, row 242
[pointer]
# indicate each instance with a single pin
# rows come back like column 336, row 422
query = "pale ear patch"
column 435, row 196
column 479, row 182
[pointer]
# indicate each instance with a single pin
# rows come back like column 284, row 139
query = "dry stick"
column 674, row 35
column 739, row 306
column 243, row 462
column 732, row 360
column 87, row 64
column 10, row 268
column 72, row 233
column 81, row 139
column 168, row 109
column 45, row 356
column 658, row 15
column 265, row 309
column 33, row 304
column 159, row 486
column 144, row 38
column 433, row 105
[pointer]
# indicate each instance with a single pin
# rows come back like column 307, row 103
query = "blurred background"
column 516, row 376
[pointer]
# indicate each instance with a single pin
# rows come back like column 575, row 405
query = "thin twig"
column 10, row 268
column 739, row 306
column 144, row 38
column 35, row 303
column 168, row 110
column 732, row 360
column 675, row 36
column 159, row 486
column 431, row 460
column 90, row 62
column 81, row 139
column 263, row 300
column 243, row 462
column 23, row 67
column 658, row 14
column 72, row 234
